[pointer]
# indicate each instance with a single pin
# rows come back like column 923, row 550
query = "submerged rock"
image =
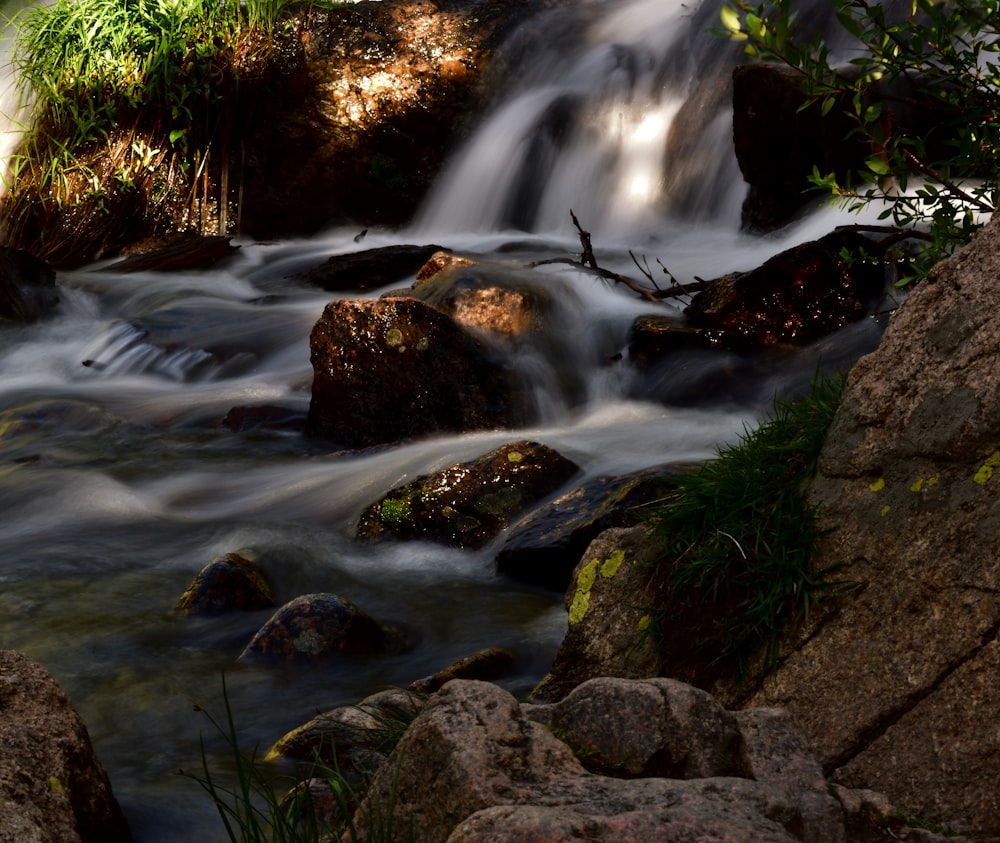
column 231, row 581
column 394, row 369
column 320, row 627
column 468, row 504
column 53, row 788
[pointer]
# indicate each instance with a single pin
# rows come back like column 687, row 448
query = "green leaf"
column 731, row 20
column 877, row 166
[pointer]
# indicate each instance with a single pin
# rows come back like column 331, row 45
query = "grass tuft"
column 738, row 540
column 317, row 805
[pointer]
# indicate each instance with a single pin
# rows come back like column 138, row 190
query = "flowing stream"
column 117, row 483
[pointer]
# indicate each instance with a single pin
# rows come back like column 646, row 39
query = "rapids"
column 117, row 484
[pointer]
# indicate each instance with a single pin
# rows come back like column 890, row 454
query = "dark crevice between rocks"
column 877, row 729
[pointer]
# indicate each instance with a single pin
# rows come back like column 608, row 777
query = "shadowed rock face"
column 53, row 789
column 27, row 287
column 896, row 683
column 362, row 115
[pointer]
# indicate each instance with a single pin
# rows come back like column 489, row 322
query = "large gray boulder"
column 53, row 789
column 476, row 766
column 895, row 684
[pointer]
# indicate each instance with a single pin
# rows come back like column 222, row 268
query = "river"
column 118, row 484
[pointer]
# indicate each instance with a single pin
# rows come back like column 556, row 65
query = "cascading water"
column 117, row 484
column 596, row 121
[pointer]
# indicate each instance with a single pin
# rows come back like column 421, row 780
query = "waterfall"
column 118, row 481
column 620, row 112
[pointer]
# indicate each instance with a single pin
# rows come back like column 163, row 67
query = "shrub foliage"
column 921, row 80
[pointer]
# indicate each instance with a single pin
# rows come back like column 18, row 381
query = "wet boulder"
column 529, row 314
column 318, row 628
column 53, row 789
column 502, row 301
column 390, row 370
column 183, row 253
column 545, row 547
column 796, row 297
column 468, row 504
column 746, row 327
column 231, row 581
column 27, row 286
column 369, row 269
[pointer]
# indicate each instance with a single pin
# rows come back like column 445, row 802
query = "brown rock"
column 796, row 297
column 468, row 504
column 369, row 269
column 52, row 787
column 178, row 254
column 232, row 581
column 394, row 369
column 494, row 299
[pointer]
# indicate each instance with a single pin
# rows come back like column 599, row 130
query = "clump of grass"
column 86, row 61
column 139, row 110
column 738, row 539
column 259, row 806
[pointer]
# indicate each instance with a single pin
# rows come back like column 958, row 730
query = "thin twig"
column 587, row 258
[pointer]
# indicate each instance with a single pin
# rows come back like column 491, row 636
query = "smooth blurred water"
column 118, row 484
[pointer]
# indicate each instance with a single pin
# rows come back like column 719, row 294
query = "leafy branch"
column 923, row 90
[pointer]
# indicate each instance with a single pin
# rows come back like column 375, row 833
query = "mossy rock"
column 468, row 504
